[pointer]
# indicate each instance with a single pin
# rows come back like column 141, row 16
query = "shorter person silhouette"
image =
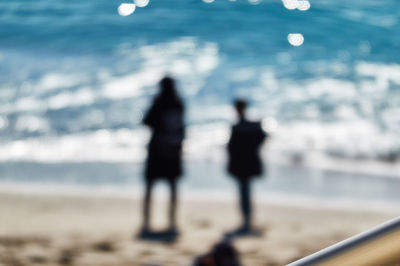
column 244, row 161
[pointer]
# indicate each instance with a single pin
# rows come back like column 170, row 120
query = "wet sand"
column 100, row 231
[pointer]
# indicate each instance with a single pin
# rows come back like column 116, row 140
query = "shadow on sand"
column 166, row 236
column 244, row 232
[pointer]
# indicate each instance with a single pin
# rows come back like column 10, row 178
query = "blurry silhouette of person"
column 164, row 160
column 244, row 160
column 222, row 254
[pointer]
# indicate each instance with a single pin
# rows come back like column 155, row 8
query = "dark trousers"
column 245, row 200
column 147, row 202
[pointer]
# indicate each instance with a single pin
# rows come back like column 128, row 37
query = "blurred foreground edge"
column 377, row 246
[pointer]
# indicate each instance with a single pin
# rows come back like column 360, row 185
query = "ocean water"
column 76, row 78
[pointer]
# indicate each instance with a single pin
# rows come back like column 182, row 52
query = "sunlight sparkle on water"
column 141, row 3
column 254, row 2
column 126, row 9
column 208, row 1
column 296, row 39
column 302, row 5
column 290, row 4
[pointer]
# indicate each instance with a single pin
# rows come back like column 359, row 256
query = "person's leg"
column 147, row 204
column 245, row 201
column 173, row 200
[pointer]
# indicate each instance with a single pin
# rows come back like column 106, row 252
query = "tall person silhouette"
column 164, row 160
column 244, row 160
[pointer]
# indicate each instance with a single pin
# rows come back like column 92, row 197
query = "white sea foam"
column 183, row 58
column 130, row 85
column 324, row 114
column 382, row 73
column 305, row 143
column 67, row 99
column 102, row 145
column 27, row 104
column 32, row 124
column 52, row 81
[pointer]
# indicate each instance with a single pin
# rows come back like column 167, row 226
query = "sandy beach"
column 98, row 230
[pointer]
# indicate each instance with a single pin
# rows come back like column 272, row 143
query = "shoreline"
column 196, row 196
column 310, row 160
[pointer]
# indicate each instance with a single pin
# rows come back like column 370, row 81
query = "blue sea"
column 76, row 78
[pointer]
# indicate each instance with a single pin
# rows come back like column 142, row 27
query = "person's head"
column 167, row 89
column 240, row 106
column 225, row 254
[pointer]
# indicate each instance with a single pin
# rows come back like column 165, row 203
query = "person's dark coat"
column 243, row 149
column 164, row 159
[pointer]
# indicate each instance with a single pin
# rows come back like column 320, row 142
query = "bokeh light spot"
column 303, row 5
column 141, row 3
column 290, row 4
column 296, row 39
column 208, row 1
column 126, row 9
